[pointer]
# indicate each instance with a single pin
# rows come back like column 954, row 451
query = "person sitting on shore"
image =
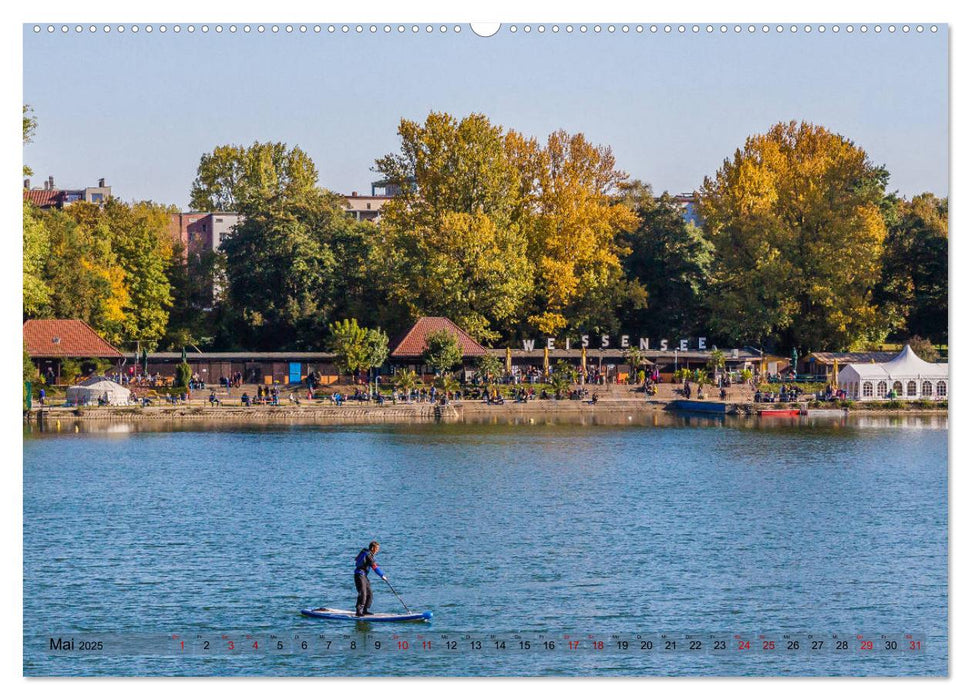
column 213, row 400
column 245, row 399
column 294, row 399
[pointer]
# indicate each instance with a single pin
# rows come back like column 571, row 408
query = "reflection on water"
column 655, row 419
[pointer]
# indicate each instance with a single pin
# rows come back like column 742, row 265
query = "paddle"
column 396, row 594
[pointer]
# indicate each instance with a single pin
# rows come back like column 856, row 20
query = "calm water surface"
column 683, row 526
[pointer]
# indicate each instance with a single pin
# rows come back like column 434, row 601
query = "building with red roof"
column 414, row 343
column 49, row 341
column 49, row 197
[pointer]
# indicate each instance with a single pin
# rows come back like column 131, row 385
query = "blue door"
column 294, row 372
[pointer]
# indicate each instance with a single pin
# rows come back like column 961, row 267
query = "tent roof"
column 905, row 364
column 100, row 384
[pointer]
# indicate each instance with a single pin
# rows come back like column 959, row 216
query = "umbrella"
column 583, row 363
column 546, row 359
column 508, row 360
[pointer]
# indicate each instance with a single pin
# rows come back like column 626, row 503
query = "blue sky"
column 140, row 109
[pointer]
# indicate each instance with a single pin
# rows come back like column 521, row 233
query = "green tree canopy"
column 247, row 179
column 913, row 286
column 30, row 126
column 670, row 259
column 796, row 225
column 281, row 272
column 451, row 249
column 443, row 352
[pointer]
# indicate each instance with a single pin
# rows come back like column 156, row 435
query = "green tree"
column 351, row 345
column 31, row 373
column 489, row 367
column 70, row 370
column 913, row 286
column 447, row 383
column 795, row 219
column 451, row 248
column 407, row 380
column 183, row 374
column 246, row 179
column 635, row 358
column 36, row 250
column 30, row 126
column 670, row 259
column 716, row 361
column 281, row 273
column 443, row 352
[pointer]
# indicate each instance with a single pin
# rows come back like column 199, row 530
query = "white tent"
column 88, row 393
column 905, row 377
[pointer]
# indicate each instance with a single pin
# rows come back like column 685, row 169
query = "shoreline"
column 323, row 414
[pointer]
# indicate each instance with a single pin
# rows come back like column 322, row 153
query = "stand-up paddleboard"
column 331, row 614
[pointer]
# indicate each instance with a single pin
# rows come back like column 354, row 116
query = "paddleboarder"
column 362, row 567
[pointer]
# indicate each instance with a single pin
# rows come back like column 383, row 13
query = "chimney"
column 27, row 183
column 50, row 179
column 353, row 194
column 101, row 182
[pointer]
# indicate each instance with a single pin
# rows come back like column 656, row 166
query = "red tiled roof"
column 54, row 337
column 43, row 198
column 414, row 344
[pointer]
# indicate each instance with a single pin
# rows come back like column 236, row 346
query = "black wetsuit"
column 362, row 566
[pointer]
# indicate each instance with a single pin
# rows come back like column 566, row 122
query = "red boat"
column 779, row 412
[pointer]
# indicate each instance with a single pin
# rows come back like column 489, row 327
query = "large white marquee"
column 905, row 377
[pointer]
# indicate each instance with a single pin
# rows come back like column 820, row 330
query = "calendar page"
column 436, row 348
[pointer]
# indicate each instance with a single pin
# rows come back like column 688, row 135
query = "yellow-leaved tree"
column 798, row 235
column 573, row 224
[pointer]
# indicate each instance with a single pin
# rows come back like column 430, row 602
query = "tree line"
column 801, row 245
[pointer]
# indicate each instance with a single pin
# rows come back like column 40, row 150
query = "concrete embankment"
column 348, row 413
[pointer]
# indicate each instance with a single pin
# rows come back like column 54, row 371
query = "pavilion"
column 904, row 377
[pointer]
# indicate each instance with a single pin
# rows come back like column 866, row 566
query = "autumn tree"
column 572, row 225
column 139, row 235
column 798, row 236
column 913, row 287
column 451, row 248
column 248, row 178
column 83, row 273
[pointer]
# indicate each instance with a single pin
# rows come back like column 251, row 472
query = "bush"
column 183, row 373
column 70, row 370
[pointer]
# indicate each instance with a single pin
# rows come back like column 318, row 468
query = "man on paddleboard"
column 362, row 566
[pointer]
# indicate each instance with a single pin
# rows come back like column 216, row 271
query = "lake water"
column 659, row 525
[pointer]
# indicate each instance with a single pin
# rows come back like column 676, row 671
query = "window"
column 882, row 389
column 911, row 388
column 942, row 389
column 97, row 197
column 898, row 388
column 868, row 389
column 926, row 389
column 368, row 205
column 219, row 221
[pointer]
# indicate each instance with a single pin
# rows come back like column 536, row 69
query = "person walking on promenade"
column 362, row 567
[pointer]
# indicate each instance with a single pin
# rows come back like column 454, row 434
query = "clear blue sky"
column 141, row 109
